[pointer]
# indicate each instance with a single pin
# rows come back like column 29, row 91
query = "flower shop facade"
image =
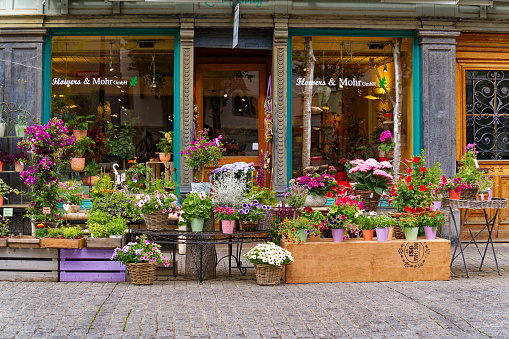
column 337, row 78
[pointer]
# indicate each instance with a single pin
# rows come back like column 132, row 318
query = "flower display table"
column 356, row 260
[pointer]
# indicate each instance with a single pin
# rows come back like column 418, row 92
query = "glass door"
column 230, row 100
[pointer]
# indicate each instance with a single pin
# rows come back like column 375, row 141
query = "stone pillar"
column 438, row 97
column 186, row 96
column 280, row 109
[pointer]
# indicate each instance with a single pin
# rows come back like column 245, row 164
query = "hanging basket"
column 398, row 232
column 268, row 275
column 469, row 193
column 370, row 199
column 156, row 221
column 141, row 273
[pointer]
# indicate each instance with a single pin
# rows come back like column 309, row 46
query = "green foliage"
column 72, row 232
column 117, row 204
column 54, row 232
column 41, row 232
column 81, row 122
column 165, row 144
column 431, row 218
column 116, row 226
column 98, row 217
column 468, row 171
column 6, row 189
column 97, row 230
column 82, row 145
column 366, row 222
column 119, row 141
column 197, row 206
column 4, row 226
column 92, row 168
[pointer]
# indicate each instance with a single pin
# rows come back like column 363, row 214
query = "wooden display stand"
column 28, row 264
column 155, row 170
column 356, row 260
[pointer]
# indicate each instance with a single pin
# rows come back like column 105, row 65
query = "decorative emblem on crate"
column 414, row 254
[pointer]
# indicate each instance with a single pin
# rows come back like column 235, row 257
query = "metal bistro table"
column 496, row 204
column 175, row 237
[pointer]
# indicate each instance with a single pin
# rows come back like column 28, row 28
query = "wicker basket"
column 370, row 199
column 469, row 193
column 264, row 223
column 267, row 275
column 398, row 232
column 141, row 273
column 156, row 221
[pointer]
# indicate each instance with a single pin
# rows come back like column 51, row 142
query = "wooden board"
column 90, row 264
column 28, row 264
column 105, row 242
column 356, row 260
column 3, row 242
column 62, row 243
column 23, row 241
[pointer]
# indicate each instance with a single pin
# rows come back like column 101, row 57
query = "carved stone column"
column 186, row 95
column 438, row 97
column 280, row 109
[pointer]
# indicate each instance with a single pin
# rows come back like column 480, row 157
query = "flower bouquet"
column 371, row 179
column 140, row 258
column 268, row 259
column 155, row 207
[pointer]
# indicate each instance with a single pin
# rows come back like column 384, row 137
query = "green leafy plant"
column 197, row 205
column 4, row 227
column 136, row 175
column 165, row 144
column 366, row 222
column 54, row 232
column 469, row 171
column 370, row 174
column 485, row 183
column 82, row 145
column 408, row 220
column 431, row 218
column 119, row 141
column 72, row 232
column 92, row 168
column 116, row 226
column 264, row 195
column 141, row 251
column 96, row 223
column 81, row 122
column 97, row 230
column 117, row 203
column 70, row 192
column 6, row 189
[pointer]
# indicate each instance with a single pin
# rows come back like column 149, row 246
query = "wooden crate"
column 3, row 241
column 23, row 241
column 105, row 242
column 90, row 264
column 62, row 243
column 356, row 260
column 28, row 264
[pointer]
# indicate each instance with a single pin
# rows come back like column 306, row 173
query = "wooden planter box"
column 28, row 264
column 90, row 264
column 23, row 241
column 105, row 242
column 3, row 241
column 356, row 260
column 62, row 243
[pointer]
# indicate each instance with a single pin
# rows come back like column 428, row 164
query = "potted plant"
column 316, row 219
column 4, row 157
column 92, row 170
column 367, row 224
column 469, row 173
column 18, row 160
column 386, row 144
column 297, row 230
column 251, row 212
column 21, row 125
column 485, row 186
column 201, row 153
column 228, row 190
column 5, row 231
column 317, row 185
column 409, row 224
column 241, row 170
column 197, row 207
column 155, row 207
column 165, row 145
column 455, row 186
column 80, row 125
column 430, row 220
column 343, row 216
column 295, row 197
column 5, row 190
column 383, row 224
column 268, row 259
column 371, row 179
column 116, row 227
column 267, row 197
column 67, row 237
column 227, row 217
column 116, row 203
column 141, row 258
column 136, row 175
column 70, row 193
column 97, row 226
column 81, row 146
column 119, row 141
column 2, row 125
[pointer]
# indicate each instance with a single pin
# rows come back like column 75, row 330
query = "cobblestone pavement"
column 237, row 307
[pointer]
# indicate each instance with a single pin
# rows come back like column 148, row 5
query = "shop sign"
column 86, row 74
column 93, row 81
column 256, row 3
column 342, row 82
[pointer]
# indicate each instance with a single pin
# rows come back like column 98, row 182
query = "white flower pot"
column 315, row 200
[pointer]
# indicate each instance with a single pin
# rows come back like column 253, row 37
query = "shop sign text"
column 333, row 82
column 88, row 81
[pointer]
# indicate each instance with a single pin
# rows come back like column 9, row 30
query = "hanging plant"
column 149, row 80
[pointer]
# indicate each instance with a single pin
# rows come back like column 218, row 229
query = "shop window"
column 487, row 114
column 125, row 81
column 348, row 94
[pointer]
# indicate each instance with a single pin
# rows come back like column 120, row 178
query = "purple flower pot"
column 490, row 194
column 437, row 205
column 382, row 234
column 429, row 233
column 337, row 234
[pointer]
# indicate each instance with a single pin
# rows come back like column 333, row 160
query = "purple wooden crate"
column 90, row 264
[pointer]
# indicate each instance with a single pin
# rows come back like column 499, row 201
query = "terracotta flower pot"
column 78, row 164
column 19, row 166
column 90, row 180
column 79, row 133
column 368, row 235
column 164, row 157
column 454, row 195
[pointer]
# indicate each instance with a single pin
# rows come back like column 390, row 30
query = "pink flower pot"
column 227, row 226
column 382, row 234
column 429, row 233
column 437, row 205
column 337, row 234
